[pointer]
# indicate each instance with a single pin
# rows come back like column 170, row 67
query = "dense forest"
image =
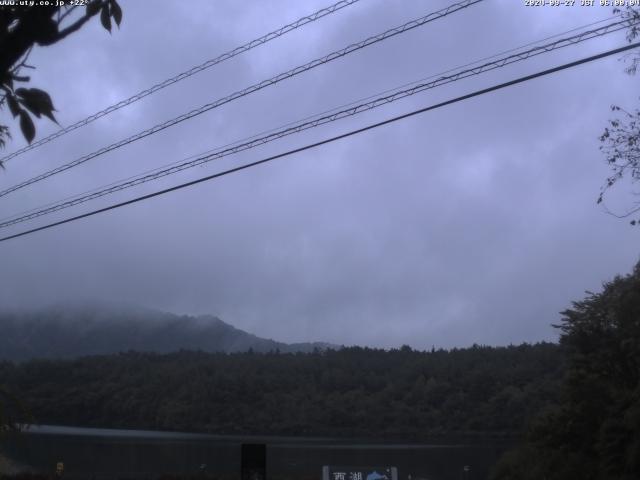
column 357, row 392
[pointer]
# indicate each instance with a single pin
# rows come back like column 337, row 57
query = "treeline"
column 349, row 392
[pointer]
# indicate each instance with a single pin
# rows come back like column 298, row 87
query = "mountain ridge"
column 83, row 329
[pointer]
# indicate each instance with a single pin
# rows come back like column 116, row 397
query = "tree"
column 621, row 138
column 594, row 432
column 22, row 28
column 13, row 413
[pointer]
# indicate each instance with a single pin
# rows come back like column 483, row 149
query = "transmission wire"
column 186, row 74
column 331, row 139
column 254, row 142
column 258, row 86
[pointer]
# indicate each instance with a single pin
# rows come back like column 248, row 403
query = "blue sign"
column 359, row 473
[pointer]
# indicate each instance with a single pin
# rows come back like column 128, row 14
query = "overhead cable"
column 186, row 74
column 305, row 125
column 249, row 90
column 476, row 93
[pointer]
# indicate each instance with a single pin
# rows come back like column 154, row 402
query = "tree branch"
column 67, row 12
column 71, row 28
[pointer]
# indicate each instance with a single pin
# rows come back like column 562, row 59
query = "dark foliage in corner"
column 594, row 433
column 22, row 28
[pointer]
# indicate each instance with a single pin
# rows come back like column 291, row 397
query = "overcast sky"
column 475, row 223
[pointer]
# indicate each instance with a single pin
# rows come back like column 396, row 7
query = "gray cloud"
column 473, row 223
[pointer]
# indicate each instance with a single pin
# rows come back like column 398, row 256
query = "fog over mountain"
column 476, row 222
column 80, row 329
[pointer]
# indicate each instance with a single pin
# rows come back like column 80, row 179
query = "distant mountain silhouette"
column 65, row 331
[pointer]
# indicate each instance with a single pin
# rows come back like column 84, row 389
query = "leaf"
column 4, row 133
column 50, row 116
column 13, row 105
column 93, row 8
column 27, row 127
column 37, row 102
column 31, row 107
column 104, row 17
column 116, row 12
column 46, row 32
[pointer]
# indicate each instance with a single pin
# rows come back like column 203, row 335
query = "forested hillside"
column 67, row 331
column 400, row 393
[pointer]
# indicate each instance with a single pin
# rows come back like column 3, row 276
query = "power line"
column 331, row 139
column 258, row 86
column 270, row 130
column 186, row 74
column 351, row 103
column 305, row 125
column 199, row 160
